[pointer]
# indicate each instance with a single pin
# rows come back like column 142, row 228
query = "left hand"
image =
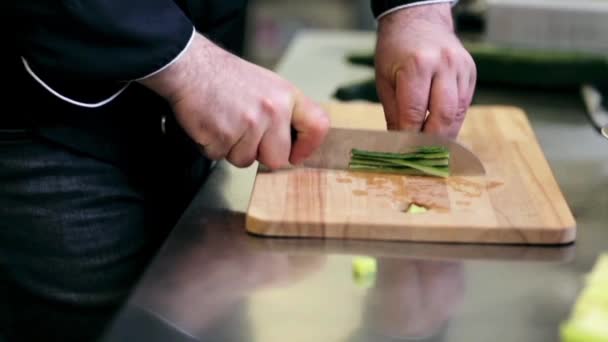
column 421, row 65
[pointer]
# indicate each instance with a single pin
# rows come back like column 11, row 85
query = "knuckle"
column 446, row 117
column 226, row 139
column 450, row 56
column 272, row 108
column 242, row 161
column 249, row 119
column 215, row 154
column 463, row 103
column 424, row 59
column 273, row 163
column 461, row 112
column 414, row 115
column 460, row 115
column 321, row 125
column 223, row 138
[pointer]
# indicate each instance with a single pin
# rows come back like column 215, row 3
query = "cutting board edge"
column 566, row 215
column 415, row 249
column 482, row 235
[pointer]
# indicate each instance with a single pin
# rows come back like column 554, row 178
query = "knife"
column 596, row 111
column 335, row 151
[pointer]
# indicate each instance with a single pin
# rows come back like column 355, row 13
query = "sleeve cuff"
column 412, row 4
column 175, row 59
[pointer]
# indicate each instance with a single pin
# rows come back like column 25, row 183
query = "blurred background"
column 272, row 24
column 565, row 25
column 545, row 45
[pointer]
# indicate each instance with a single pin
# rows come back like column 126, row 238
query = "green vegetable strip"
column 408, row 171
column 387, row 161
column 420, row 150
column 383, row 169
column 393, row 166
column 409, row 155
column 429, row 160
column 432, row 149
column 435, row 171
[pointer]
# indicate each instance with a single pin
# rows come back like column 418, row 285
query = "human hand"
column 237, row 110
column 422, row 66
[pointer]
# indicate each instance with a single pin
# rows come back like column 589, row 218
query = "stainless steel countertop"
column 213, row 282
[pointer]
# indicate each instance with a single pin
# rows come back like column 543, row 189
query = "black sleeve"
column 381, row 7
column 100, row 40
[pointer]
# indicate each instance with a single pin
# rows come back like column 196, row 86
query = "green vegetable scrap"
column 588, row 321
column 364, row 270
column 416, row 209
column 426, row 160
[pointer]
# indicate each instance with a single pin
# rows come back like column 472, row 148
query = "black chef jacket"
column 71, row 64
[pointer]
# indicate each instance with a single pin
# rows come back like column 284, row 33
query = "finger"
column 245, row 151
column 412, row 92
column 443, row 105
column 386, row 94
column 216, row 145
column 275, row 145
column 463, row 102
column 311, row 123
column 214, row 151
column 466, row 88
column 472, row 79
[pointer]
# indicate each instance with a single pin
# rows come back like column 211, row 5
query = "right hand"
column 237, row 110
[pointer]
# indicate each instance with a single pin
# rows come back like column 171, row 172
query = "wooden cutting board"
column 518, row 201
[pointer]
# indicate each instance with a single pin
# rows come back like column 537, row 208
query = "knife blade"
column 335, row 151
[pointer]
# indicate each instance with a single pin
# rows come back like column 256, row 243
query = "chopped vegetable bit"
column 590, row 327
column 416, row 209
column 588, row 320
column 599, row 273
column 364, row 270
column 426, row 160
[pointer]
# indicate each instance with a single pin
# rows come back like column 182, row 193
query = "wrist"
column 381, row 8
column 436, row 14
column 174, row 81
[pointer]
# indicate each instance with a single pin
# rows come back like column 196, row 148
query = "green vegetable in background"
column 504, row 66
column 364, row 270
column 588, row 321
column 427, row 160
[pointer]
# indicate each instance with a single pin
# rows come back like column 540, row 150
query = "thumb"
column 310, row 123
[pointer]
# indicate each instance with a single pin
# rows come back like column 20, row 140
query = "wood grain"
column 518, row 201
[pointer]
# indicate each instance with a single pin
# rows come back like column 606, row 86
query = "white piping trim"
column 426, row 2
column 65, row 98
column 174, row 59
column 101, row 103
